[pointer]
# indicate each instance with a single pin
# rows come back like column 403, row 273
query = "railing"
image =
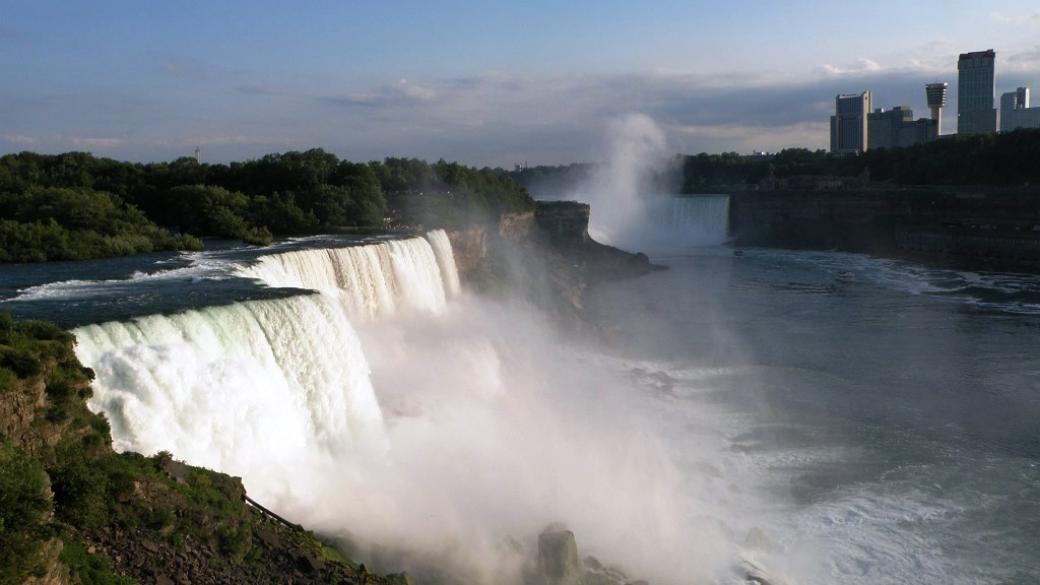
column 260, row 508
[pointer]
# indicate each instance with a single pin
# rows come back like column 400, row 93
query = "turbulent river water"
column 825, row 416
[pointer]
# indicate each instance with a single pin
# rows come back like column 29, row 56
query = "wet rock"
column 758, row 539
column 755, row 574
column 558, row 557
column 309, row 562
column 593, row 578
column 173, row 468
column 268, row 536
column 593, row 563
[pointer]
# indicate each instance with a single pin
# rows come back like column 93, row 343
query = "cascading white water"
column 664, row 222
column 222, row 386
column 371, row 280
column 227, row 386
column 704, row 218
column 446, row 260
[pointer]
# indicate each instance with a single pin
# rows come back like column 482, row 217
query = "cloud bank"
column 493, row 118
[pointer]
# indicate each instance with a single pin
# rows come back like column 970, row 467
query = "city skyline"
column 858, row 126
column 240, row 80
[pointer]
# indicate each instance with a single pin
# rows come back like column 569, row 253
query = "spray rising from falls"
column 628, row 208
column 427, row 437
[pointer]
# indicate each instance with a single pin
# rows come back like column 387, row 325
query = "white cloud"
column 1017, row 19
column 490, row 118
column 862, row 65
column 743, row 138
column 91, row 142
column 21, row 139
column 62, row 141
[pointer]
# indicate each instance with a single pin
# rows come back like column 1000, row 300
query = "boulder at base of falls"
column 558, row 557
column 558, row 563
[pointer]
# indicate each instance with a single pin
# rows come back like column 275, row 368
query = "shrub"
column 20, row 361
column 79, row 488
column 24, row 505
column 87, row 568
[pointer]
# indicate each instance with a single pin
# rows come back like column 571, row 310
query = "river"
column 827, row 417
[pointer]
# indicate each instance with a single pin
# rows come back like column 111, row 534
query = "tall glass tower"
column 976, row 84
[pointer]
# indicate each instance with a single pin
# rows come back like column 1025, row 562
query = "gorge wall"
column 991, row 228
column 546, row 256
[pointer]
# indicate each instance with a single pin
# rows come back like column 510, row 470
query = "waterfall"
column 222, row 386
column 255, row 383
column 703, row 218
column 446, row 260
column 664, row 223
column 371, row 280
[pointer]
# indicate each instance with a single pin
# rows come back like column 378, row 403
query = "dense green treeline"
column 113, row 207
column 54, row 223
column 1010, row 159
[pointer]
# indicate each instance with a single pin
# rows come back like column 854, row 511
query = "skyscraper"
column 849, row 132
column 936, row 94
column 976, row 84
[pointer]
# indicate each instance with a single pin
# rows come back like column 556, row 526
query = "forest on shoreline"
column 75, row 206
column 1007, row 159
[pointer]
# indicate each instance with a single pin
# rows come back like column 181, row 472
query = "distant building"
column 884, row 126
column 976, row 83
column 936, row 94
column 919, row 131
column 849, row 132
column 897, row 128
column 1015, row 111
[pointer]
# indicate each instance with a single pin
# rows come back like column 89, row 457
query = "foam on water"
column 1000, row 291
column 200, row 267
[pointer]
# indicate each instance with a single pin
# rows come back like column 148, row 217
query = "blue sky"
column 482, row 82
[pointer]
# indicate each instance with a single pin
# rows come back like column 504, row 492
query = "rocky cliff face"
column 988, row 228
column 546, row 256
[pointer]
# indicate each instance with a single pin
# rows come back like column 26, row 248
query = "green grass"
column 89, row 569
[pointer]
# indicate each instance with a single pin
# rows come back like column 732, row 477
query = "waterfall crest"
column 703, row 218
column 371, row 280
